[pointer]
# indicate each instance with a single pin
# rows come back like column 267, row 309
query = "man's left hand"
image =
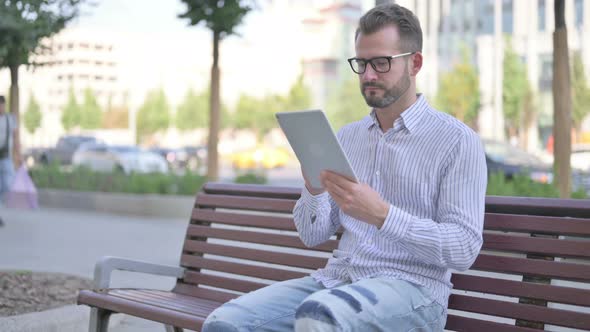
column 357, row 200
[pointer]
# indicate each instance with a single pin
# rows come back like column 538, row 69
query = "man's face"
column 383, row 89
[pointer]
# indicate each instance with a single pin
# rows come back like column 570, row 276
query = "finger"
column 335, row 189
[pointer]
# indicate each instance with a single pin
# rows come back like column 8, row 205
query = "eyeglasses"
column 381, row 64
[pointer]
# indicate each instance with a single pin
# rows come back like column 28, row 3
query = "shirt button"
column 369, row 241
column 377, row 173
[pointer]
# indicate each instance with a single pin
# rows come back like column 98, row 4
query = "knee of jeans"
column 218, row 321
column 315, row 311
column 218, row 326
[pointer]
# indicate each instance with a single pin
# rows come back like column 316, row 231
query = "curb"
column 71, row 318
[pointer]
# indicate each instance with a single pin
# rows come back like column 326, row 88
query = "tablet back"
column 314, row 144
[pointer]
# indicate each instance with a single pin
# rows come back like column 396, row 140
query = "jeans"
column 377, row 304
column 6, row 176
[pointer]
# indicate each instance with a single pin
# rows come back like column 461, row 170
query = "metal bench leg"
column 99, row 320
column 170, row 328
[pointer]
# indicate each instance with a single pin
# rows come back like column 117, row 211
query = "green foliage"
column 458, row 92
column 222, row 17
column 515, row 87
column 299, row 96
column 90, row 112
column 23, row 23
column 194, row 111
column 32, row 117
column 258, row 113
column 522, row 185
column 153, row 115
column 346, row 104
column 83, row 179
column 71, row 115
column 581, row 92
column 252, row 178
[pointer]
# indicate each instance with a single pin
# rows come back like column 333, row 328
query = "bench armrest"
column 107, row 264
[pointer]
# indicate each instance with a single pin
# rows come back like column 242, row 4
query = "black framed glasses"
column 381, row 64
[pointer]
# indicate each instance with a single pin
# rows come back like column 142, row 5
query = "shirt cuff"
column 312, row 202
column 396, row 224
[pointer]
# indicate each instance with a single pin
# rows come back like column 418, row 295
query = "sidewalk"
column 71, row 242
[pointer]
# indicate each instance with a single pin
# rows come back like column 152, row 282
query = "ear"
column 415, row 63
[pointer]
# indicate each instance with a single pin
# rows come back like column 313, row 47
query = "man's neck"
column 388, row 115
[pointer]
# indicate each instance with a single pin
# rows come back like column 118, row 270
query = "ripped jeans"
column 378, row 304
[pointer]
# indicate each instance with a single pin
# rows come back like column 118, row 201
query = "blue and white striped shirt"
column 431, row 168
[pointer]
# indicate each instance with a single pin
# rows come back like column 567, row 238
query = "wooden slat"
column 552, row 293
column 290, row 241
column 244, row 286
column 255, row 255
column 464, row 324
column 150, row 312
column 240, row 269
column 558, row 207
column 528, row 312
column 203, row 293
column 241, row 219
column 542, row 268
column 177, row 302
column 537, row 224
column 252, row 190
column 245, row 203
column 537, row 245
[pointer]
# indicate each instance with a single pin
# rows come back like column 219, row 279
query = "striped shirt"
column 431, row 168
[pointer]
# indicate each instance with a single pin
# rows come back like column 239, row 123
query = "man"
column 416, row 213
column 7, row 138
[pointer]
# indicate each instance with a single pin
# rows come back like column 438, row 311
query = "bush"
column 522, row 185
column 83, row 179
column 252, row 178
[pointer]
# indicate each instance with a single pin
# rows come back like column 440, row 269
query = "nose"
column 370, row 74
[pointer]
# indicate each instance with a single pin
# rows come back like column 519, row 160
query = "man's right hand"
column 312, row 190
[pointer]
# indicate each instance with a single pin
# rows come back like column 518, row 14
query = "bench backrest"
column 242, row 237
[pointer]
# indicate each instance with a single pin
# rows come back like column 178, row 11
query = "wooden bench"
column 242, row 237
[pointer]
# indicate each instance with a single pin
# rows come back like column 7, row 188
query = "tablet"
column 316, row 146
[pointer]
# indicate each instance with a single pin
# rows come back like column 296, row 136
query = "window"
column 507, row 17
column 579, row 10
column 541, row 15
column 546, row 77
column 485, row 14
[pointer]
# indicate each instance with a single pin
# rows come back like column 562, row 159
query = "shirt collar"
column 409, row 119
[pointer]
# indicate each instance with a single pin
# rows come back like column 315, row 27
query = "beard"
column 390, row 95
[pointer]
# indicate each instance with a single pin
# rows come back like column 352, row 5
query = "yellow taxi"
column 261, row 157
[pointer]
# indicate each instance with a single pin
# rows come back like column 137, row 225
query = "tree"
column 222, row 18
column 515, row 91
column 299, row 96
column 115, row 117
column 192, row 113
column 258, row 114
column 71, row 116
column 32, row 116
column 346, row 104
column 562, row 103
column 153, row 115
column 23, row 24
column 581, row 93
column 91, row 114
column 458, row 92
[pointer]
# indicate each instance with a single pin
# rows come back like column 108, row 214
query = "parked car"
column 197, row 157
column 581, row 157
column 177, row 159
column 510, row 160
column 127, row 159
column 261, row 157
column 62, row 153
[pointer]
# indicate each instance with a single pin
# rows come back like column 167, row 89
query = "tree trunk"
column 562, row 103
column 214, row 115
column 14, row 109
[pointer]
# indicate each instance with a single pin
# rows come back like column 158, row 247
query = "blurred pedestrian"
column 7, row 138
